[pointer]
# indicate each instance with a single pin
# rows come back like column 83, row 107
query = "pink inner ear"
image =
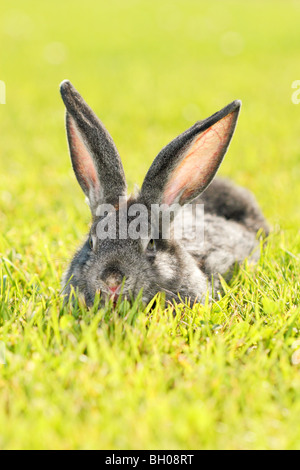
column 83, row 163
column 199, row 163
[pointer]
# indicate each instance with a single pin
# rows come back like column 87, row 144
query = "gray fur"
column 170, row 155
column 100, row 146
column 232, row 219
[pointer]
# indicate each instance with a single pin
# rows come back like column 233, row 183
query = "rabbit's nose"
column 113, row 282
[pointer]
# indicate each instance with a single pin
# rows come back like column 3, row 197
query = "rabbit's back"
column 231, row 221
column 225, row 199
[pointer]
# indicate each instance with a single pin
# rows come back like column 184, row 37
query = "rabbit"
column 182, row 174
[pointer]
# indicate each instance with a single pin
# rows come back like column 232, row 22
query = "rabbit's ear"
column 186, row 166
column 95, row 159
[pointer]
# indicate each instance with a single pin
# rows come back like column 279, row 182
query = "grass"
column 221, row 376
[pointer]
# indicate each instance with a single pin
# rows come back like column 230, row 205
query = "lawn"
column 221, row 376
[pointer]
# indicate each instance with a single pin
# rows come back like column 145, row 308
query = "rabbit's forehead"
column 118, row 247
column 128, row 222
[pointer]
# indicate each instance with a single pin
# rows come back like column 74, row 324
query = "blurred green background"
column 149, row 70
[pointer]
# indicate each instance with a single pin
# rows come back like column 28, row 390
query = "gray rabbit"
column 180, row 174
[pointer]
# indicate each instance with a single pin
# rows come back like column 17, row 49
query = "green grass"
column 224, row 375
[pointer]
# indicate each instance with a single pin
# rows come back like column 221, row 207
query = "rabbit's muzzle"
column 112, row 278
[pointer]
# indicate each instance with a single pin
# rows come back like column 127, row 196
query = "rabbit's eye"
column 91, row 242
column 151, row 247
